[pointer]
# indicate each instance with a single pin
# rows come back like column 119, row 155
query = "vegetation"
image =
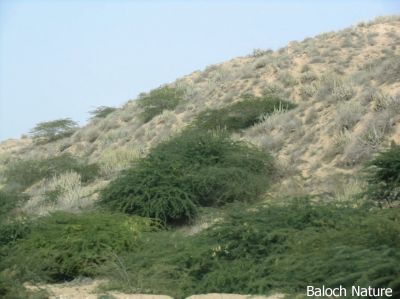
column 102, row 111
column 240, row 115
column 63, row 246
column 194, row 169
column 53, row 130
column 10, row 229
column 158, row 100
column 24, row 173
column 383, row 175
column 269, row 248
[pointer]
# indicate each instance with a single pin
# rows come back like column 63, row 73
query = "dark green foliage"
column 102, row 111
column 12, row 288
column 240, row 115
column 194, row 169
column 158, row 100
column 271, row 248
column 23, row 173
column 383, row 175
column 53, row 130
column 64, row 246
column 9, row 201
column 11, row 229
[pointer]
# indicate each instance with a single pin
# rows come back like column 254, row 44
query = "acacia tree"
column 102, row 111
column 53, row 130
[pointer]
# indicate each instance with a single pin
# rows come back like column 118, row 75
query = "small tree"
column 53, row 130
column 158, row 100
column 102, row 111
column 383, row 175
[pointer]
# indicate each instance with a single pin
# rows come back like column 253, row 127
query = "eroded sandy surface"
column 88, row 289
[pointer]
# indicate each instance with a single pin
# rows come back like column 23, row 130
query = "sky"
column 63, row 58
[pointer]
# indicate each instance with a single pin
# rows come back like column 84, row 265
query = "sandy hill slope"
column 346, row 85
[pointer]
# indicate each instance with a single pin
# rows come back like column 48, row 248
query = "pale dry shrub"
column 338, row 143
column 113, row 161
column 64, row 192
column 91, row 134
column 167, row 117
column 286, row 79
column 349, row 191
column 273, row 142
column 308, row 77
column 308, row 91
column 272, row 89
column 310, row 116
column 369, row 140
column 331, row 87
column 342, row 91
column 348, row 114
column 383, row 101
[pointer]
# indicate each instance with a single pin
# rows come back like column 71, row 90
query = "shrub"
column 275, row 247
column 23, row 173
column 53, row 130
column 194, row 169
column 12, row 288
column 158, row 100
column 240, row 115
column 9, row 201
column 11, row 229
column 64, row 246
column 348, row 114
column 115, row 160
column 383, row 175
column 102, row 111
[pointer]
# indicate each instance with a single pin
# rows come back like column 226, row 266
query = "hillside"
column 344, row 88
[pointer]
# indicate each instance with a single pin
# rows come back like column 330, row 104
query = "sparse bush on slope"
column 383, row 175
column 53, row 130
column 64, row 246
column 194, row 169
column 102, row 111
column 240, row 115
column 158, row 100
column 24, row 173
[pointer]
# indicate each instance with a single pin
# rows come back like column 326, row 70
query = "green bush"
column 12, row 288
column 11, row 229
column 194, row 169
column 102, row 111
column 158, row 100
column 24, row 173
column 383, row 175
column 53, row 130
column 240, row 115
column 9, row 201
column 260, row 249
column 63, row 246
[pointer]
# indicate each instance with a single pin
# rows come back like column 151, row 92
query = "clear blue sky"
column 63, row 58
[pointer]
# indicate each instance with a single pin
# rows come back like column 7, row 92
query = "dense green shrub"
column 53, row 130
column 194, row 169
column 23, row 173
column 63, row 246
column 240, row 115
column 383, row 175
column 102, row 111
column 158, row 100
column 9, row 201
column 11, row 229
column 271, row 248
column 12, row 288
